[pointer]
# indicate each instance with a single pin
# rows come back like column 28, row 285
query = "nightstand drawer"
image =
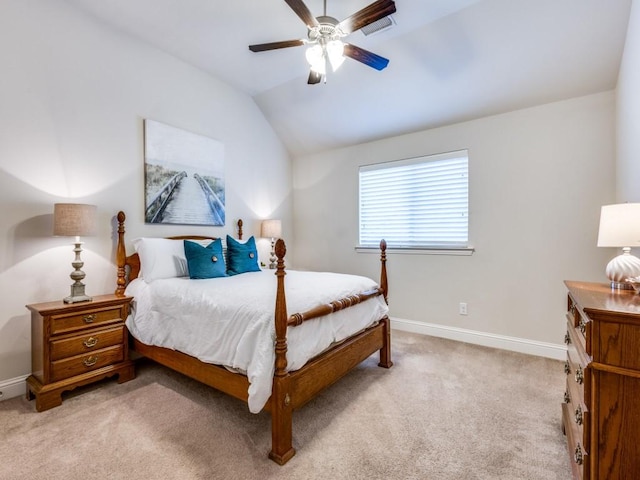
column 88, row 342
column 85, row 319
column 79, row 364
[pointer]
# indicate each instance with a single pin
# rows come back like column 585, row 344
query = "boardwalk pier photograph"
column 184, row 177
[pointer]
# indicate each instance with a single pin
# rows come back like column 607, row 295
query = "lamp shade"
column 619, row 225
column 271, row 229
column 74, row 219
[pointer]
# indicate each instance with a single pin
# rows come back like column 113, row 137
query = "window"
column 416, row 203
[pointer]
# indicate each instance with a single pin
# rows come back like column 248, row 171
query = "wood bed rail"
column 327, row 308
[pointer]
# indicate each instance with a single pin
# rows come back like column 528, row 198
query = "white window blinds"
column 418, row 202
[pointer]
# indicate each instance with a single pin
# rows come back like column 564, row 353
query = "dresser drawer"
column 85, row 319
column 577, row 367
column 87, row 342
column 581, row 326
column 578, row 414
column 79, row 364
column 577, row 453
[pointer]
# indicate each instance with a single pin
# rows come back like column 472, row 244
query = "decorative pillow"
column 160, row 258
column 205, row 262
column 241, row 257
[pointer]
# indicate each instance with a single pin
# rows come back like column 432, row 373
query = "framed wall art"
column 184, row 177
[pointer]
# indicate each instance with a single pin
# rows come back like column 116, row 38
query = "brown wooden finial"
column 240, row 223
column 280, row 249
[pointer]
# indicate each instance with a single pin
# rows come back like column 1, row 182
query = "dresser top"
column 600, row 296
column 98, row 301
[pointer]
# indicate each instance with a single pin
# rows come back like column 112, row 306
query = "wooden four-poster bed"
column 290, row 389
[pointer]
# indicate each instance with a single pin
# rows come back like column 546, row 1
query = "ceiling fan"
column 325, row 34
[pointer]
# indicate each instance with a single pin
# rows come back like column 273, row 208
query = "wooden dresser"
column 76, row 344
column 601, row 413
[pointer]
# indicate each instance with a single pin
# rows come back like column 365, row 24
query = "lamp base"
column 77, row 287
column 77, row 299
column 77, row 294
column 622, row 268
column 272, row 258
column 621, row 286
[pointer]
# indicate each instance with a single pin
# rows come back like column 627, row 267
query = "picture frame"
column 184, row 177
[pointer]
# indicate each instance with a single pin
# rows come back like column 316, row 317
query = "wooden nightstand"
column 76, row 344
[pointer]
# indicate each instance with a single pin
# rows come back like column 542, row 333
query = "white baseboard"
column 14, row 387
column 514, row 344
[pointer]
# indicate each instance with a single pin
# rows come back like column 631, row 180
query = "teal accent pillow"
column 241, row 257
column 205, row 262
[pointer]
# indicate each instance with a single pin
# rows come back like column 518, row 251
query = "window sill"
column 455, row 251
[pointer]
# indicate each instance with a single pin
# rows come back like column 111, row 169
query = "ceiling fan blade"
column 365, row 56
column 261, row 47
column 369, row 14
column 314, row 77
column 303, row 12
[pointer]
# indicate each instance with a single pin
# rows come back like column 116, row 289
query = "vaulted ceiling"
column 450, row 60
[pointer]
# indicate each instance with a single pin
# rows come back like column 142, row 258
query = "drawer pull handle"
column 89, row 318
column 579, row 415
column 90, row 361
column 567, row 338
column 579, row 376
column 567, row 368
column 577, row 455
column 567, row 397
column 90, row 342
column 583, row 325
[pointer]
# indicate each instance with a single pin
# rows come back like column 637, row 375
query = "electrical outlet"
column 462, row 308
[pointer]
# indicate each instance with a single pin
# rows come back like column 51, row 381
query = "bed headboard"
column 129, row 265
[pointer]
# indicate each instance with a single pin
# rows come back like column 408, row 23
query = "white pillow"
column 161, row 258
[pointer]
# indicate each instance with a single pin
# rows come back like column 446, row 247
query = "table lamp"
column 620, row 227
column 271, row 229
column 74, row 219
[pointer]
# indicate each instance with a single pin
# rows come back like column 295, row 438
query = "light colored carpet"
column 446, row 410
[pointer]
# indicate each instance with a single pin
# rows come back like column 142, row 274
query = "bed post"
column 385, row 351
column 121, row 256
column 239, row 224
column 281, row 405
column 383, row 269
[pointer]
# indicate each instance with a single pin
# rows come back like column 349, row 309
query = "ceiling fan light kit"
column 325, row 34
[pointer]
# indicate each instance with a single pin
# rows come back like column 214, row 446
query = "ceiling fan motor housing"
column 326, row 30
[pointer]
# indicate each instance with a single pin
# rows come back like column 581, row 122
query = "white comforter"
column 230, row 321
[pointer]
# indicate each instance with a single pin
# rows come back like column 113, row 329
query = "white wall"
column 628, row 114
column 537, row 180
column 72, row 99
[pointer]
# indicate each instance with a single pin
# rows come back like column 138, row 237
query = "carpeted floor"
column 445, row 411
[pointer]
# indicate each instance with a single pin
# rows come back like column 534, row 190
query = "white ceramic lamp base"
column 622, row 267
